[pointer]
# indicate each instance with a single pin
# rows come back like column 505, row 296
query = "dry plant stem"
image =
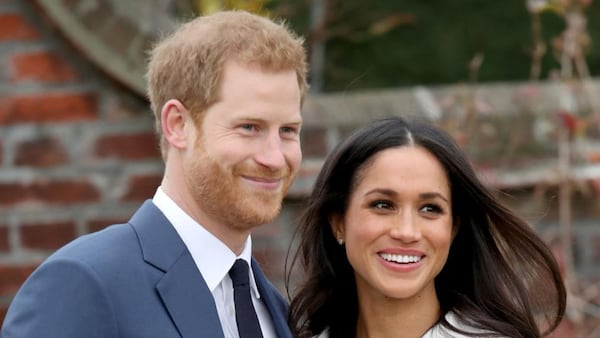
column 564, row 158
column 538, row 47
column 565, row 218
column 318, row 14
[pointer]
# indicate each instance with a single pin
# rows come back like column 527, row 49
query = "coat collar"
column 182, row 288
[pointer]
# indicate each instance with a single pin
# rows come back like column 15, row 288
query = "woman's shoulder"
column 440, row 331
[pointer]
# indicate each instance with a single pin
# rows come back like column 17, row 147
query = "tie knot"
column 239, row 273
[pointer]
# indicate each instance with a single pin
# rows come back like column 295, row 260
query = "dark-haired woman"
column 401, row 239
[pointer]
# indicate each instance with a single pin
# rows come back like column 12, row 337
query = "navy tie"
column 245, row 315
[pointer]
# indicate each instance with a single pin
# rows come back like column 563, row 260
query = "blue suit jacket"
column 128, row 280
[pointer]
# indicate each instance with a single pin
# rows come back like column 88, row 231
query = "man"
column 226, row 91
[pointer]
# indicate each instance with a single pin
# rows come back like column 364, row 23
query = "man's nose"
column 270, row 152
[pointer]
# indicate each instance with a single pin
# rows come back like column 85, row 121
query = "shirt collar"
column 212, row 257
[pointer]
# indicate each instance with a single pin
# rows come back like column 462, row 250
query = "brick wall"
column 77, row 152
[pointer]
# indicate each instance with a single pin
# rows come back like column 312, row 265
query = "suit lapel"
column 277, row 308
column 182, row 289
column 189, row 301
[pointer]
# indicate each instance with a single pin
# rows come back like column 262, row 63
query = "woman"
column 401, row 239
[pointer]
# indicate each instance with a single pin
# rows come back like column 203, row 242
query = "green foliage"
column 211, row 6
column 436, row 44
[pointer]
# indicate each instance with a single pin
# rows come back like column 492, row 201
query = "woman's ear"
column 337, row 227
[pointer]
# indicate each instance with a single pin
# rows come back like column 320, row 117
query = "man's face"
column 248, row 148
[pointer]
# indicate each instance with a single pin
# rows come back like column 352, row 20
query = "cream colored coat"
column 439, row 331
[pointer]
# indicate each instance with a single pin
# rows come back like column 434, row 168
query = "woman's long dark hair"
column 499, row 276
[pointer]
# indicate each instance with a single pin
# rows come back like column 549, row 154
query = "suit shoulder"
column 115, row 242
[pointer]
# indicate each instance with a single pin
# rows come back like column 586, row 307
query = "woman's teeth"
column 402, row 259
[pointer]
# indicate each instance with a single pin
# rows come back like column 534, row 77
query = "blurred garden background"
column 515, row 82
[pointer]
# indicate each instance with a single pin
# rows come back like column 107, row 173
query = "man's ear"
column 336, row 221
column 174, row 118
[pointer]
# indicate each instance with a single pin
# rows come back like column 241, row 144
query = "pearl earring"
column 340, row 241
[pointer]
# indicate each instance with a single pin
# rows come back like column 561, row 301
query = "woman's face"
column 398, row 226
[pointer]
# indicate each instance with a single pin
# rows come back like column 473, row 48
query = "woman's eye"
column 431, row 208
column 381, row 205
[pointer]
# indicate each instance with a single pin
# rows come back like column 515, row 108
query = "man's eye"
column 248, row 126
column 287, row 130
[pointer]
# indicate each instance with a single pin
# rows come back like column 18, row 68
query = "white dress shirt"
column 214, row 260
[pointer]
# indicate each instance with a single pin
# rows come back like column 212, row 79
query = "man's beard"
column 223, row 195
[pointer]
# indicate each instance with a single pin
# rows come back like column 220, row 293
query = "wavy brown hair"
column 499, row 276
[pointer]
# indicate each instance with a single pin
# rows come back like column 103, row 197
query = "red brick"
column 13, row 193
column 12, row 276
column 14, row 28
column 3, row 309
column 128, row 147
column 4, row 244
column 66, row 191
column 41, row 66
column 46, row 236
column 141, row 187
column 99, row 224
column 43, row 152
column 40, row 108
column 48, row 191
